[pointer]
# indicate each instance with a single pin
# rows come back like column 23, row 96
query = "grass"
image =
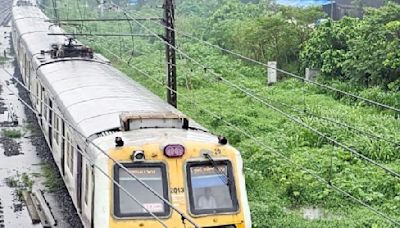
column 52, row 182
column 11, row 133
column 21, row 183
column 3, row 59
column 277, row 190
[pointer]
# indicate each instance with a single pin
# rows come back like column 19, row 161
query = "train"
column 104, row 129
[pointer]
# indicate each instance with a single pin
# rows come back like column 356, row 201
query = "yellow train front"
column 197, row 172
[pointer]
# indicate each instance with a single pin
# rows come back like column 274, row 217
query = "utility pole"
column 169, row 20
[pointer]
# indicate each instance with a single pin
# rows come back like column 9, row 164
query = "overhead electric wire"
column 251, row 95
column 284, row 71
column 308, row 112
column 83, row 154
column 266, row 147
column 5, row 10
column 342, row 124
column 368, row 134
column 183, row 215
column 326, row 182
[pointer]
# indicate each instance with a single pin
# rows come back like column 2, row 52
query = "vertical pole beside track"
column 169, row 19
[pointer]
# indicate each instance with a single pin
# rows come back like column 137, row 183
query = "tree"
column 360, row 51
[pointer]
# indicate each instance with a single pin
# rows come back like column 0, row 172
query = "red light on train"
column 174, row 151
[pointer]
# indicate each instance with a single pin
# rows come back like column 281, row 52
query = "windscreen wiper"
column 226, row 179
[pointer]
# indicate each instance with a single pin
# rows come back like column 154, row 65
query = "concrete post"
column 311, row 74
column 272, row 74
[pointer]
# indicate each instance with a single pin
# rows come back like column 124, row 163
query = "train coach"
column 92, row 115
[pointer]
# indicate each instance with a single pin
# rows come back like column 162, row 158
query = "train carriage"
column 88, row 106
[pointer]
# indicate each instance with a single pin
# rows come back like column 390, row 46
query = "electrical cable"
column 288, row 116
column 132, row 38
column 285, row 72
column 109, row 157
column 366, row 206
column 133, row 176
column 308, row 112
column 259, row 142
column 83, row 154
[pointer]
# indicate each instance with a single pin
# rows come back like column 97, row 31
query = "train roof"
column 91, row 94
column 95, row 94
column 33, row 28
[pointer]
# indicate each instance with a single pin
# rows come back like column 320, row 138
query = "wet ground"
column 25, row 159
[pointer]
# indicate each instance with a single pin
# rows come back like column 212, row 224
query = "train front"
column 199, row 174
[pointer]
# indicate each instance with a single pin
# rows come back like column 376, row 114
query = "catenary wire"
column 279, row 70
column 275, row 68
column 342, row 124
column 251, row 95
column 183, row 215
column 288, row 160
column 283, row 71
column 336, row 122
column 120, row 165
column 83, row 154
column 308, row 112
column 368, row 134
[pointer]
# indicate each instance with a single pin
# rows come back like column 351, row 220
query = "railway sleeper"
column 38, row 209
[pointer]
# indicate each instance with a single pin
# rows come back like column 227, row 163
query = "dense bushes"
column 364, row 52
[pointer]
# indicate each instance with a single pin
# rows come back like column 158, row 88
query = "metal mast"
column 169, row 18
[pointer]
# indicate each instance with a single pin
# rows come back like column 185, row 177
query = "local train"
column 84, row 103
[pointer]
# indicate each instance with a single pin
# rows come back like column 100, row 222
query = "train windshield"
column 153, row 175
column 211, row 187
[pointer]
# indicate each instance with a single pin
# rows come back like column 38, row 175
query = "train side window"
column 71, row 158
column 69, row 155
column 56, row 126
column 155, row 175
column 37, row 92
column 28, row 66
column 87, row 187
column 42, row 106
column 45, row 105
column 211, row 187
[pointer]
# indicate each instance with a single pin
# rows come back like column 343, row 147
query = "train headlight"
column 174, row 150
column 138, row 156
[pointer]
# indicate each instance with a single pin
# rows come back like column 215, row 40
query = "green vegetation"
column 21, row 183
column 11, row 133
column 52, row 182
column 2, row 60
column 278, row 191
column 358, row 54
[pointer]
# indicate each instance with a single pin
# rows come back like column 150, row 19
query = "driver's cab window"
column 211, row 187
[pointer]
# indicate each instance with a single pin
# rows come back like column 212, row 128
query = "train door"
column 87, row 194
column 28, row 78
column 63, row 148
column 79, row 179
column 50, row 121
column 41, row 105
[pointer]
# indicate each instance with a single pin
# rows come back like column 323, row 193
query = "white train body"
column 86, row 94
